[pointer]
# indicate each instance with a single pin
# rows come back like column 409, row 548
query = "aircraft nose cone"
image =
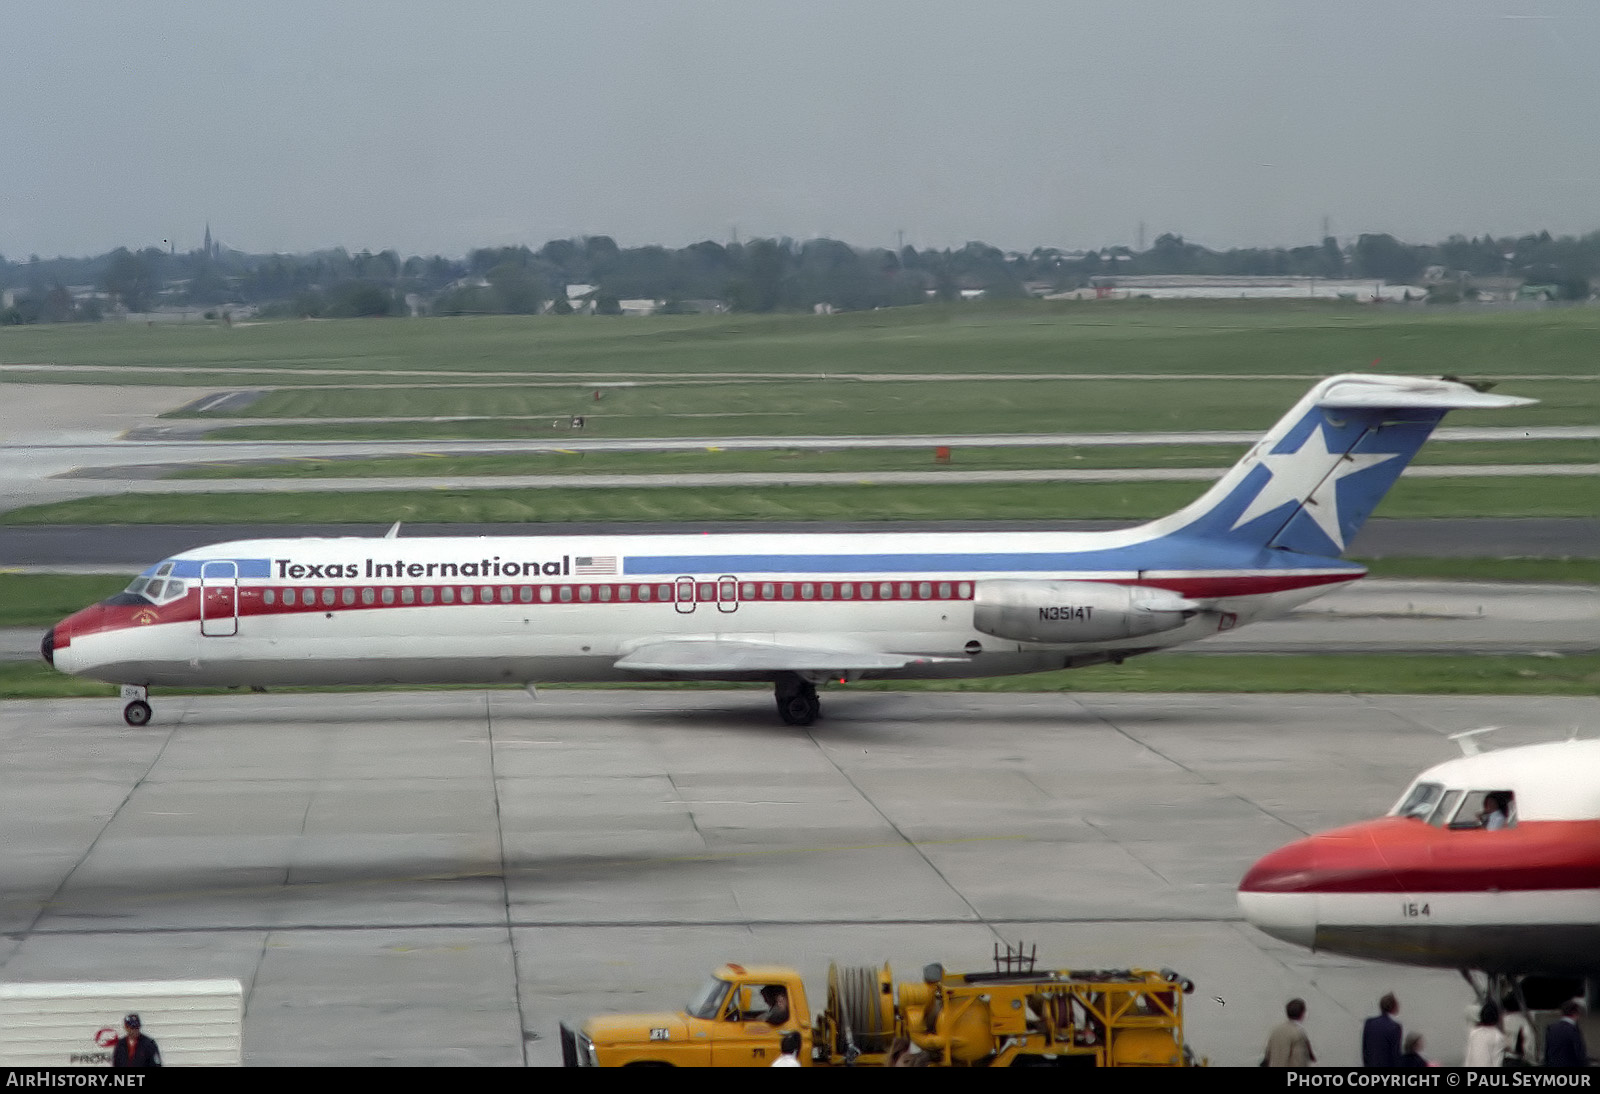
column 1277, row 897
column 47, row 647
column 1291, row 917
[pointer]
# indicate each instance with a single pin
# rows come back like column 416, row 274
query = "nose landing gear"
column 137, row 712
column 798, row 704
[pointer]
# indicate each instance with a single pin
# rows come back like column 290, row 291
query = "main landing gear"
column 798, row 704
column 137, row 712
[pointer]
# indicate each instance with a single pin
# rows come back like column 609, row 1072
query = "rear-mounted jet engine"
column 1076, row 611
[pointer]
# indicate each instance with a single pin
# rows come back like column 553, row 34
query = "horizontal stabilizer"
column 693, row 656
column 1356, row 391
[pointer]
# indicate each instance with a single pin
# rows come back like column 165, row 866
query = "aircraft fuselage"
column 529, row 609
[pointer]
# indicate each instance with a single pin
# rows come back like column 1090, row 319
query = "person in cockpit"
column 1494, row 816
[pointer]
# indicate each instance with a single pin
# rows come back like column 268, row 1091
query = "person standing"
column 789, row 1048
column 1413, row 1057
column 1380, row 1036
column 133, row 1048
column 1288, row 1045
column 1563, row 1040
column 1520, row 1038
column 1486, row 1044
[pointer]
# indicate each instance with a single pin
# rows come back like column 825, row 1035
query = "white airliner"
column 792, row 609
column 1435, row 883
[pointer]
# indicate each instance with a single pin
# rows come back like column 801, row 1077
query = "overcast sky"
column 437, row 127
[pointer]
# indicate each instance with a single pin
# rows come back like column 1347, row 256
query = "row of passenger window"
column 681, row 592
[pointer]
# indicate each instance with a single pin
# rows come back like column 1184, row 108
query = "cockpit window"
column 1489, row 809
column 154, row 589
column 1445, row 809
column 1420, row 802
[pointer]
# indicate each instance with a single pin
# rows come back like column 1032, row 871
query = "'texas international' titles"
column 492, row 567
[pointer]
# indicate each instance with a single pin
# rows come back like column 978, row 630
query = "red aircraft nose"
column 1278, row 894
column 90, row 620
column 1289, row 869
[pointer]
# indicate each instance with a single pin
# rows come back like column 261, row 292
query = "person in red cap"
column 134, row 1049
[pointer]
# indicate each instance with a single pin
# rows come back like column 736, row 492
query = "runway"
column 111, row 441
column 439, row 877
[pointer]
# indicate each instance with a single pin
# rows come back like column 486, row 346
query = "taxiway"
column 439, row 877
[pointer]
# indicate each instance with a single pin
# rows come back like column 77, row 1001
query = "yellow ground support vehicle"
column 1013, row 1016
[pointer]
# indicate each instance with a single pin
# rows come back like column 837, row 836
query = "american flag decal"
column 594, row 565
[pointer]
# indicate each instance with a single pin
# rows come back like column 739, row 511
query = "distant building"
column 1241, row 287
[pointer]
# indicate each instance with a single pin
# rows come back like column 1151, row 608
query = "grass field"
column 1032, row 336
column 717, row 460
column 372, row 368
column 1371, row 674
column 41, row 600
column 1512, row 496
column 834, row 408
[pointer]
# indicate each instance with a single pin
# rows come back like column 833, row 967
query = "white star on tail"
column 1310, row 475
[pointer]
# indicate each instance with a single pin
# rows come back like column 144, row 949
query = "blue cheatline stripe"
column 190, row 567
column 1172, row 554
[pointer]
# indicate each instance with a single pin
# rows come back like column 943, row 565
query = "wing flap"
column 701, row 655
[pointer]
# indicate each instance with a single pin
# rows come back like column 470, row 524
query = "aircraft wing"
column 691, row 656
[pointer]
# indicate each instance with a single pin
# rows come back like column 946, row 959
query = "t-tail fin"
column 1310, row 483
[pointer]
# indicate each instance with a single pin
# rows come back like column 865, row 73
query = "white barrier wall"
column 195, row 1022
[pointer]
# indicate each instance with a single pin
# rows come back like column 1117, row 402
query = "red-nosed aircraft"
column 1489, row 862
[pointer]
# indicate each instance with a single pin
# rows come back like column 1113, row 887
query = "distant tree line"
column 762, row 275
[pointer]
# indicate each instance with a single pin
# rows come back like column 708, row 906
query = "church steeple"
column 209, row 253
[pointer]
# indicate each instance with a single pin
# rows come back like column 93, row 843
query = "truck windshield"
column 707, row 1002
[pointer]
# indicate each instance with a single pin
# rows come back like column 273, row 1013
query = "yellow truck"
column 1013, row 1016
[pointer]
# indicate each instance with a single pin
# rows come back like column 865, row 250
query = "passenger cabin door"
column 219, row 599
column 689, row 593
column 683, row 597
column 727, row 594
